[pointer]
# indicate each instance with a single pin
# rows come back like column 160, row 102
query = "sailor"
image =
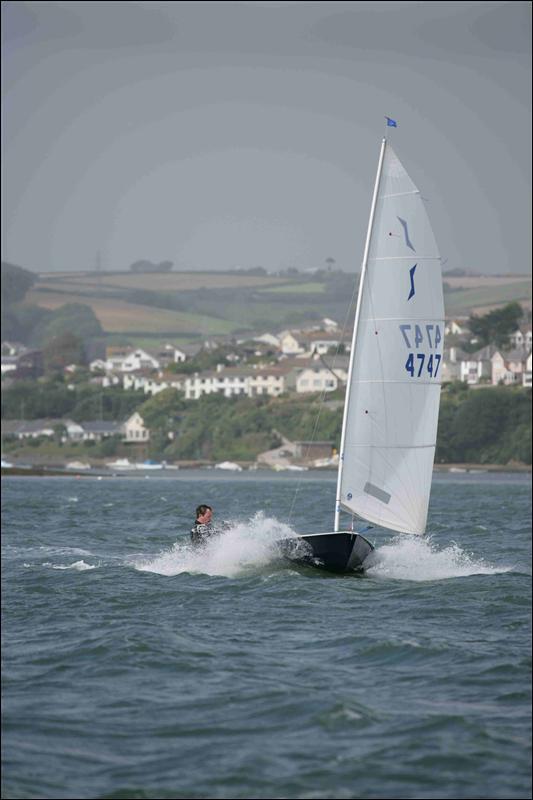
column 203, row 528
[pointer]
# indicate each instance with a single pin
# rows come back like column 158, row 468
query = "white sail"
column 391, row 413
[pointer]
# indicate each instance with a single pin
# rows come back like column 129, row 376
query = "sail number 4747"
column 428, row 337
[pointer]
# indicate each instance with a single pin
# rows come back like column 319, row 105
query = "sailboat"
column 392, row 398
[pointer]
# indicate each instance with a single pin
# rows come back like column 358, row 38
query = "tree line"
column 488, row 425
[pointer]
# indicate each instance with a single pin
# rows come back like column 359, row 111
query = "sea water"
column 136, row 667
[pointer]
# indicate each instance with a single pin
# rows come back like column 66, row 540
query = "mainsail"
column 392, row 404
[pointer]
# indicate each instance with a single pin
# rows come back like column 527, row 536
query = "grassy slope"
column 483, row 297
column 161, row 281
column 256, row 302
column 119, row 316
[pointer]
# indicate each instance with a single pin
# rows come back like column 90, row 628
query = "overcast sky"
column 237, row 134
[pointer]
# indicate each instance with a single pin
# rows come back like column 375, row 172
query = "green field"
column 160, row 281
column 300, row 288
column 119, row 316
column 482, row 298
column 209, row 303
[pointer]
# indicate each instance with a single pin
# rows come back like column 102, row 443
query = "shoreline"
column 103, row 472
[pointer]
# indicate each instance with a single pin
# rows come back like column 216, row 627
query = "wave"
column 47, row 550
column 81, row 566
column 245, row 545
column 419, row 559
column 254, row 544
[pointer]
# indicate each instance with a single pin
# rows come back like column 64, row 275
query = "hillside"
column 187, row 305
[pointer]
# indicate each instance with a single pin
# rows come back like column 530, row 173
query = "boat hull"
column 342, row 552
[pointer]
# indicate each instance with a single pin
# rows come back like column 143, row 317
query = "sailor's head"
column 204, row 514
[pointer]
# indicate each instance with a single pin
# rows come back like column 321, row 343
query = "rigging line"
column 327, row 366
column 321, row 403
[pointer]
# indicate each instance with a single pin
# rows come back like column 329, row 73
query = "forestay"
column 393, row 398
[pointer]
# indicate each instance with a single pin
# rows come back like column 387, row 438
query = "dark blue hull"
column 341, row 552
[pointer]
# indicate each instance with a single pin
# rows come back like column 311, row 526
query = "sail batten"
column 391, row 412
column 400, row 194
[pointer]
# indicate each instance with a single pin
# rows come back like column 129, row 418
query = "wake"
column 253, row 544
column 419, row 559
column 244, row 546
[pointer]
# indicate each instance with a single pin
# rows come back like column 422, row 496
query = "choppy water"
column 135, row 668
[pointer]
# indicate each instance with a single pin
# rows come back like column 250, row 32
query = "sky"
column 241, row 134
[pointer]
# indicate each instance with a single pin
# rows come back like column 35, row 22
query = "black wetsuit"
column 200, row 533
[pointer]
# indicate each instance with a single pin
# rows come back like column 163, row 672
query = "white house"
column 290, row 344
column 74, row 430
column 268, row 338
column 9, row 364
column 38, row 427
column 477, row 366
column 126, row 359
column 316, row 379
column 115, row 357
column 329, row 325
column 522, row 338
column 139, row 359
column 135, row 380
column 455, row 328
column 12, row 348
column 186, row 351
column 234, row 382
column 152, row 384
column 98, row 430
column 321, row 342
column 111, row 379
column 269, row 381
column 133, row 429
column 526, row 374
column 229, row 382
column 164, row 381
column 508, row 368
column 34, row 428
column 98, row 365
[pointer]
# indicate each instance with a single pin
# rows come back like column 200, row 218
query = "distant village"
column 303, row 361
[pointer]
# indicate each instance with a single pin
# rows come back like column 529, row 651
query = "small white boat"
column 78, row 465
column 121, row 463
column 229, row 465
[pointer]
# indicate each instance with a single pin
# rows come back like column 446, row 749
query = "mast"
column 356, row 323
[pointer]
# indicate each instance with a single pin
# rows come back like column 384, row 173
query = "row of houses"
column 290, row 375
column 132, row 430
column 288, row 343
column 488, row 365
column 300, row 361
column 520, row 339
column 21, row 362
